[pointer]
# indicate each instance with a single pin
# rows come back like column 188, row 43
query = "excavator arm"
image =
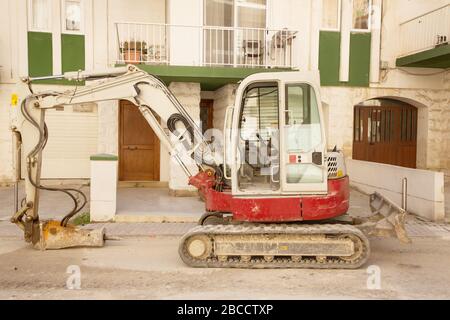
column 183, row 139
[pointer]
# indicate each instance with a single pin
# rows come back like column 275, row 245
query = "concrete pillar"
column 108, row 127
column 376, row 41
column 103, row 187
column 316, row 20
column 346, row 26
column 188, row 94
column 99, row 36
column 223, row 98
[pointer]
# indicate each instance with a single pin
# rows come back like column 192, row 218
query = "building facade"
column 383, row 65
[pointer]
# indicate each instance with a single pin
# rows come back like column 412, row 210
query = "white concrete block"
column 103, row 188
column 425, row 188
column 103, row 211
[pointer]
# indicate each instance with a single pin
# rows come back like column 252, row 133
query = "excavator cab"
column 278, row 136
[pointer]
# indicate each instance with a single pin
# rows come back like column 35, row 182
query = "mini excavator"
column 275, row 196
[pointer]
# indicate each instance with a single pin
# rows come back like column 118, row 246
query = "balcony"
column 164, row 44
column 424, row 40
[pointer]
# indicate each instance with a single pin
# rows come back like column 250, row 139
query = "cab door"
column 255, row 139
column 303, row 143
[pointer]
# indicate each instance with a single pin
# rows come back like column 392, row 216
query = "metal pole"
column 405, row 194
column 17, row 146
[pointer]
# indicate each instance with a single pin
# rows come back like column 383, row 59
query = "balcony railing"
column 425, row 31
column 205, row 45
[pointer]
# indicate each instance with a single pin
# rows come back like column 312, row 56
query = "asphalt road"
column 149, row 268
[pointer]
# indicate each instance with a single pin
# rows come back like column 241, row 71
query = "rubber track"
column 278, row 262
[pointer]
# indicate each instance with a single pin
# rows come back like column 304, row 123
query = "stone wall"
column 433, row 146
column 188, row 94
column 108, row 127
column 223, row 98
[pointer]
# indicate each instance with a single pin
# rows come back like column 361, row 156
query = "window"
column 251, row 13
column 219, row 13
column 72, row 13
column 39, row 15
column 259, row 140
column 260, row 113
column 361, row 14
column 302, row 118
column 331, row 14
column 226, row 46
column 303, row 133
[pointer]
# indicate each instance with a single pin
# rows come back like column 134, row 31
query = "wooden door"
column 386, row 134
column 139, row 146
column 206, row 114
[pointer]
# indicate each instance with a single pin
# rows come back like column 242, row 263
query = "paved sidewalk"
column 415, row 228
column 144, row 229
column 153, row 206
column 156, row 205
column 133, row 205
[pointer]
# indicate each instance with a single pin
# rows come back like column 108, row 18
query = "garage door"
column 73, row 133
column 385, row 132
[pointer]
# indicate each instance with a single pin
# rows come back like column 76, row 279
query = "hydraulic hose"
column 42, row 142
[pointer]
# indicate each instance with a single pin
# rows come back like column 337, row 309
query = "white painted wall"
column 408, row 9
column 6, row 115
column 394, row 13
column 294, row 15
column 100, row 37
column 425, row 188
column 13, row 27
column 185, row 43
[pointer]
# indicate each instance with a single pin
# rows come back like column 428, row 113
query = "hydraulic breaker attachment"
column 386, row 220
column 54, row 236
column 50, row 235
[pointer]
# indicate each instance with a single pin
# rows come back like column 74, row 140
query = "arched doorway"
column 385, row 131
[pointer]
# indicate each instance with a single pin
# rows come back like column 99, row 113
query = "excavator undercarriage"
column 324, row 246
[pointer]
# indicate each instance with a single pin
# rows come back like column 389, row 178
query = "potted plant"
column 133, row 51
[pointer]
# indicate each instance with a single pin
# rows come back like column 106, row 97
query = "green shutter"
column 40, row 54
column 360, row 43
column 73, row 52
column 329, row 57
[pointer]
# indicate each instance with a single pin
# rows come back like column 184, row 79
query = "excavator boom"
column 184, row 140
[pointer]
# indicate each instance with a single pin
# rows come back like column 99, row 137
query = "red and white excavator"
column 275, row 197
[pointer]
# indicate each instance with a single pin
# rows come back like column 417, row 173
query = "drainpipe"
column 405, row 194
column 17, row 147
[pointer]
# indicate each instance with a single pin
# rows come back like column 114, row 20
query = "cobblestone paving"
column 418, row 228
column 144, row 229
column 414, row 227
